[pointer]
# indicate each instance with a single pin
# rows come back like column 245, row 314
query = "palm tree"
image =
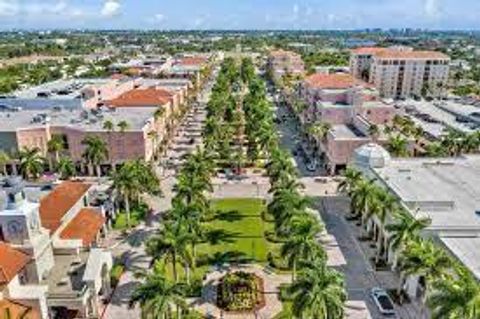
column 424, row 259
column 172, row 244
column 123, row 127
column 301, row 243
column 455, row 298
column 95, row 152
column 156, row 295
column 4, row 160
column 436, row 149
column 109, row 127
column 363, row 196
column 318, row 292
column 351, row 181
column 404, row 228
column 66, row 168
column 374, row 131
column 55, row 145
column 31, row 163
column 397, row 146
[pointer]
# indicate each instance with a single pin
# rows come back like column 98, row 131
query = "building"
column 453, row 207
column 350, row 107
column 50, row 260
column 282, row 62
column 400, row 72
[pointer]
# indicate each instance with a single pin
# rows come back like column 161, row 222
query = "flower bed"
column 240, row 291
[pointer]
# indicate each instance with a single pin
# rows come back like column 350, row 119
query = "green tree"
column 156, row 296
column 301, row 244
column 95, row 152
column 318, row 292
column 55, row 145
column 172, row 244
column 32, row 164
column 4, row 160
column 66, row 168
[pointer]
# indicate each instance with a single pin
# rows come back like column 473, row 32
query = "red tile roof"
column 142, row 97
column 18, row 310
column 56, row 204
column 198, row 60
column 85, row 226
column 391, row 53
column 332, row 81
column 368, row 50
column 11, row 262
column 398, row 54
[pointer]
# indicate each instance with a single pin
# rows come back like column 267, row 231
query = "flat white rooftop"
column 445, row 190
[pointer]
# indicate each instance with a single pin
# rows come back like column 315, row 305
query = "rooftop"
column 55, row 205
column 66, row 277
column 348, row 132
column 11, row 262
column 80, row 119
column 332, row 81
column 17, row 310
column 152, row 96
column 465, row 249
column 455, row 204
column 399, row 53
column 84, row 226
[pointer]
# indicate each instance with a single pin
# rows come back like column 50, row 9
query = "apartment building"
column 50, row 264
column 350, row 106
column 281, row 62
column 400, row 72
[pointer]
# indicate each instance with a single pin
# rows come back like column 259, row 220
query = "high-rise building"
column 400, row 72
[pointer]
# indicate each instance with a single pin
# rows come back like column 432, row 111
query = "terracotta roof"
column 17, row 310
column 11, row 262
column 391, row 53
column 332, row 81
column 56, row 204
column 198, row 60
column 142, row 97
column 398, row 54
column 84, row 226
column 368, row 50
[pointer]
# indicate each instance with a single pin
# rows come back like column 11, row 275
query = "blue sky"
column 239, row 14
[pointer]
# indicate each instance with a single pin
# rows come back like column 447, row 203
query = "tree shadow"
column 217, row 236
column 224, row 257
column 229, row 216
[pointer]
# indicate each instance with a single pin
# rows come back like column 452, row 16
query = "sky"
column 239, row 14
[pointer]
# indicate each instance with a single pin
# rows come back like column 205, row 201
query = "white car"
column 383, row 302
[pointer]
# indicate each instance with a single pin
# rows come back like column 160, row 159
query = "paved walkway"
column 271, row 284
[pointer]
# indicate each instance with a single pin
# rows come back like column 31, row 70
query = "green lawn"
column 236, row 234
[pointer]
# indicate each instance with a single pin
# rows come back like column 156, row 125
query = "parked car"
column 383, row 302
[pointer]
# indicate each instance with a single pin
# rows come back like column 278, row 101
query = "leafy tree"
column 318, row 292
column 95, row 152
column 32, row 164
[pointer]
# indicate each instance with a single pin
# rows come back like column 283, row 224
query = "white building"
column 444, row 190
column 401, row 72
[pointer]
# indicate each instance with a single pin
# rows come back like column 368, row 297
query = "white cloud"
column 111, row 8
column 432, row 8
column 159, row 17
column 8, row 8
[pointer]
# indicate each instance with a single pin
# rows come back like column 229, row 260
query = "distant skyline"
column 239, row 14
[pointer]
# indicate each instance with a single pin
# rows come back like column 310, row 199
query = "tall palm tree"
column 31, row 163
column 66, row 168
column 55, row 145
column 95, row 152
column 4, row 160
column 172, row 244
column 318, row 292
column 123, row 126
column 156, row 296
column 352, row 177
column 424, row 259
column 404, row 228
column 458, row 297
column 109, row 127
column 363, row 197
column 302, row 243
